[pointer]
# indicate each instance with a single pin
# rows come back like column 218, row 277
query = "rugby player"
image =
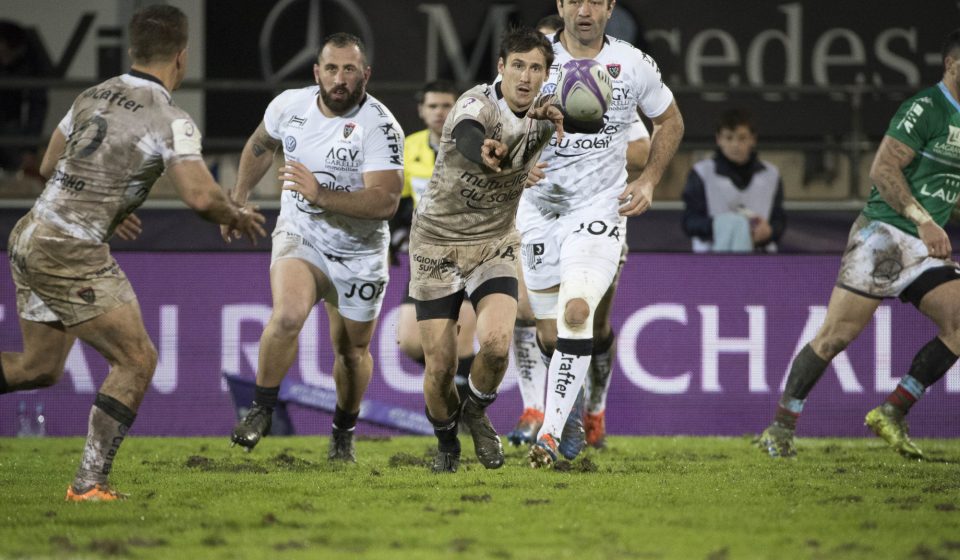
column 116, row 140
column 573, row 222
column 342, row 180
column 897, row 248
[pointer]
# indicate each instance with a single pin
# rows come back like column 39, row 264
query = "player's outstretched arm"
column 887, row 174
column 255, row 160
column 667, row 133
column 200, row 192
column 377, row 200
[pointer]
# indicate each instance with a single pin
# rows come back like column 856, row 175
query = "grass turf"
column 709, row 498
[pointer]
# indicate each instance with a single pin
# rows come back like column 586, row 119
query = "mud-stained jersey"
column 581, row 166
column 99, row 180
column 338, row 150
column 929, row 124
column 466, row 202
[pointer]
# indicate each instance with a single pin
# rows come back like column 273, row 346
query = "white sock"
column 531, row 371
column 567, row 374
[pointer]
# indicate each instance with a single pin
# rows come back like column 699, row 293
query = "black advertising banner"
column 710, row 52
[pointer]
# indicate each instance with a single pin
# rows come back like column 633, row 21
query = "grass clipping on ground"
column 710, row 498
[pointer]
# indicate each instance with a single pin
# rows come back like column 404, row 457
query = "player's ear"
column 500, row 65
column 316, row 73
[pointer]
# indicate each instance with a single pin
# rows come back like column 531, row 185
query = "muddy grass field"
column 685, row 498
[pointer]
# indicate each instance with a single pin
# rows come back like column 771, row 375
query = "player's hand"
column 760, row 230
column 549, row 112
column 296, row 177
column 636, row 198
column 935, row 239
column 248, row 223
column 493, row 152
column 536, row 174
column 129, row 229
column 226, row 233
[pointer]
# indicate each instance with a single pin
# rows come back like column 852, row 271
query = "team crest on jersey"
column 290, row 143
column 614, row 70
column 348, row 130
column 87, row 295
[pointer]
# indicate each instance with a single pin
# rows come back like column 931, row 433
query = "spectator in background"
column 733, row 201
column 22, row 111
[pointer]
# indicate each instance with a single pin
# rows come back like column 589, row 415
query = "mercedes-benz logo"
column 314, row 34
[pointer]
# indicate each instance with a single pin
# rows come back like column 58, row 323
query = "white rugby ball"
column 584, row 89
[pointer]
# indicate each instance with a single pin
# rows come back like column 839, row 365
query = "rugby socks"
column 4, row 388
column 929, row 365
column 266, row 397
column 806, row 370
column 598, row 382
column 567, row 375
column 446, row 432
column 463, row 373
column 108, row 425
column 344, row 421
column 531, row 371
column 482, row 399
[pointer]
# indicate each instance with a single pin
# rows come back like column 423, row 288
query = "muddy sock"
column 806, row 370
column 343, row 420
column 446, row 432
column 266, row 397
column 108, row 425
column 929, row 365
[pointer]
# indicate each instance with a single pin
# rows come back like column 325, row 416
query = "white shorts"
column 594, row 237
column 881, row 261
column 357, row 284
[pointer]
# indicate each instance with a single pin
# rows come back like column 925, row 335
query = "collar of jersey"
column 946, row 93
column 145, row 76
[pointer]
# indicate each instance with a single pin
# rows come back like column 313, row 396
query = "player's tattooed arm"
column 55, row 149
column 887, row 174
column 255, row 160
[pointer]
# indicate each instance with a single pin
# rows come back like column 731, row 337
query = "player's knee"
column 352, row 358
column 145, row 359
column 576, row 313
column 411, row 347
column 495, row 355
column 288, row 323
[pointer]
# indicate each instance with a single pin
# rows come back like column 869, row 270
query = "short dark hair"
column 608, row 3
column 733, row 118
column 553, row 21
column 950, row 44
column 340, row 40
column 523, row 39
column 437, row 86
column 157, row 33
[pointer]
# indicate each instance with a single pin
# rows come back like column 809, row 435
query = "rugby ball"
column 584, row 88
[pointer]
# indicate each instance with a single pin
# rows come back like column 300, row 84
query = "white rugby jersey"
column 338, row 151
column 583, row 165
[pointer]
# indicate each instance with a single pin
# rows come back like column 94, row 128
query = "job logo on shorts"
column 532, row 254
column 290, row 143
column 87, row 295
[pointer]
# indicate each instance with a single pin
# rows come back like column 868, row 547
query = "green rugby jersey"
column 929, row 123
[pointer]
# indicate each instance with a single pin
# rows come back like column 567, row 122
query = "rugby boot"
column 595, row 425
column 527, row 427
column 96, row 493
column 777, row 441
column 573, row 438
column 255, row 425
column 544, row 452
column 889, row 423
column 341, row 447
column 446, row 461
column 486, row 442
